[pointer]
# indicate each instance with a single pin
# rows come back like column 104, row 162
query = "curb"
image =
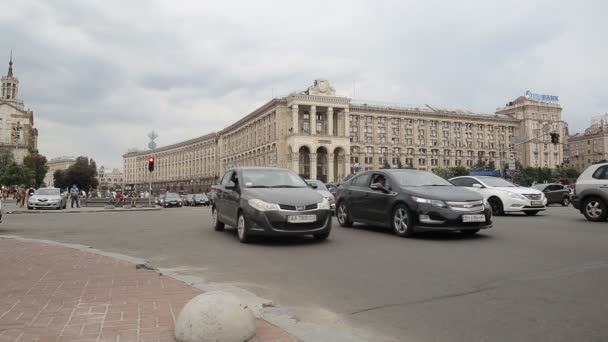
column 47, row 212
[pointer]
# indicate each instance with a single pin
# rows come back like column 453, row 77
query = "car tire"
column 242, row 228
column 469, row 232
column 565, row 202
column 531, row 213
column 402, row 221
column 343, row 215
column 217, row 224
column 321, row 237
column 496, row 206
column 594, row 209
column 29, row 208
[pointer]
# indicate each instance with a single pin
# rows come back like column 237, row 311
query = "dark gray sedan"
column 269, row 201
column 408, row 201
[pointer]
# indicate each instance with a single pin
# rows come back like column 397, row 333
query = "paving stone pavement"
column 55, row 293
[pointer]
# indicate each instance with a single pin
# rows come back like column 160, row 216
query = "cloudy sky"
column 100, row 75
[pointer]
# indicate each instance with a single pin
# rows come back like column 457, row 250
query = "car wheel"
column 403, row 221
column 531, row 213
column 217, row 225
column 496, row 205
column 469, row 232
column 29, row 208
column 321, row 237
column 565, row 201
column 595, row 209
column 343, row 215
column 242, row 228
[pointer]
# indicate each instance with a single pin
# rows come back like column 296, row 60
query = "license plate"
column 301, row 218
column 473, row 218
column 537, row 202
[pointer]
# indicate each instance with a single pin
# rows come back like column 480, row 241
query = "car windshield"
column 319, row 184
column 272, row 178
column 419, row 178
column 495, row 181
column 200, row 196
column 171, row 196
column 47, row 192
column 539, row 186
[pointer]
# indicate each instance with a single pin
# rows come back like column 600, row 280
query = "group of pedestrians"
column 20, row 194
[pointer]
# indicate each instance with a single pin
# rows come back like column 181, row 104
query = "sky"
column 100, row 75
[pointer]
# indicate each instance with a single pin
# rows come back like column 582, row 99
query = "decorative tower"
column 10, row 84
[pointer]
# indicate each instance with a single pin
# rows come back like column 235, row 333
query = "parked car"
column 269, row 201
column 171, row 199
column 409, row 201
column 504, row 196
column 200, row 199
column 188, row 199
column 591, row 192
column 555, row 193
column 47, row 198
column 319, row 187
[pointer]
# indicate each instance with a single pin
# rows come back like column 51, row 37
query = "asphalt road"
column 540, row 278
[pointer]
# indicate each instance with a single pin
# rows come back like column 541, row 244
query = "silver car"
column 318, row 186
column 50, row 198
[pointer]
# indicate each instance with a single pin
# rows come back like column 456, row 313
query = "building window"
column 397, row 151
column 409, row 141
column 369, row 139
column 422, row 161
column 368, row 120
column 395, row 141
column 469, row 163
column 381, row 121
column 408, row 131
column 434, row 162
column 369, row 150
column 369, row 160
column 354, row 139
column 446, row 162
column 383, row 150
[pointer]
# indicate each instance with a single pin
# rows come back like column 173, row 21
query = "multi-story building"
column 59, row 163
column 589, row 147
column 322, row 136
column 17, row 132
column 111, row 180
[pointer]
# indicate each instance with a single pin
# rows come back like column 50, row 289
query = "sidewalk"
column 12, row 208
column 55, row 293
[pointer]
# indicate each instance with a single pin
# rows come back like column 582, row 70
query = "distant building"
column 111, row 180
column 589, row 147
column 17, row 132
column 59, row 163
column 321, row 135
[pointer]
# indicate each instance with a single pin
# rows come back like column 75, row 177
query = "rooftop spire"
column 10, row 66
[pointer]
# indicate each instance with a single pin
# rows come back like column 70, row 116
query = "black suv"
column 408, row 201
column 555, row 193
column 269, row 201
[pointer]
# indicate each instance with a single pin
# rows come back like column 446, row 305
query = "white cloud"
column 101, row 74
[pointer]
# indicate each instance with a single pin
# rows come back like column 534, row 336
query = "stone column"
column 295, row 162
column 313, row 165
column 294, row 118
column 346, row 165
column 330, row 167
column 346, row 122
column 313, row 121
column 330, row 121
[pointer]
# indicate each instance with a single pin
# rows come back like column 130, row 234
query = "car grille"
column 469, row 206
column 535, row 197
column 293, row 207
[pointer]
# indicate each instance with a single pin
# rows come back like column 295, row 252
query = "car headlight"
column 324, row 205
column 262, row 206
column 435, row 203
column 517, row 196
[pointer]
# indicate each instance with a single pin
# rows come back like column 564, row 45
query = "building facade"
column 321, row 135
column 111, row 180
column 590, row 147
column 59, row 163
column 17, row 132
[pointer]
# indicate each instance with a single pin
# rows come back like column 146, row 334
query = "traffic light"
column 151, row 161
column 554, row 138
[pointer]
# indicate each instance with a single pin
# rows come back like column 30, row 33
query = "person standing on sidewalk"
column 22, row 193
column 74, row 192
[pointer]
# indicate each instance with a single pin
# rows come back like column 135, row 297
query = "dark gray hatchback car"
column 269, row 201
column 409, row 201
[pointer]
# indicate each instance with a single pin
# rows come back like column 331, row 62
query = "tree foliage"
column 15, row 174
column 59, row 179
column 82, row 173
column 450, row 172
column 6, row 158
column 38, row 164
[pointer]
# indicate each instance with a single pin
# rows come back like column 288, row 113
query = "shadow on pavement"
column 276, row 241
column 447, row 235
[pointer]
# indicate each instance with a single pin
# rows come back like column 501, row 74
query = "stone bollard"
column 215, row 316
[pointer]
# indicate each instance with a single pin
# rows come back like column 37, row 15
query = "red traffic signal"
column 151, row 161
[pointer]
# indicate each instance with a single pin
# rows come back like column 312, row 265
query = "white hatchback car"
column 504, row 196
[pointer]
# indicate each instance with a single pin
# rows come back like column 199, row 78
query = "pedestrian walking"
column 74, row 191
column 22, row 193
column 5, row 194
column 134, row 196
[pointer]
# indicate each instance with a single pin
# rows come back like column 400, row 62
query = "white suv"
column 591, row 192
column 504, row 196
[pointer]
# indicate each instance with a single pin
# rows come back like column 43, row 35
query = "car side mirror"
column 313, row 185
column 478, row 186
column 378, row 186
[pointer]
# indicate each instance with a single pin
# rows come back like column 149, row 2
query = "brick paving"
column 55, row 293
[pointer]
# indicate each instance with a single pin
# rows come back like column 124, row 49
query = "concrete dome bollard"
column 215, row 316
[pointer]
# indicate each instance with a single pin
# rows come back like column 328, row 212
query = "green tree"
column 15, row 174
column 458, row 171
column 443, row 172
column 37, row 163
column 60, row 179
column 6, row 158
column 83, row 173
